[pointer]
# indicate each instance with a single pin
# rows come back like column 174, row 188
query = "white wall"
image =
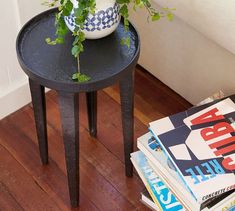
column 185, row 59
column 29, row 8
column 14, row 91
column 215, row 19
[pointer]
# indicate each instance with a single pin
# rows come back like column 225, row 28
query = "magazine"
column 163, row 167
column 160, row 164
column 148, row 201
column 202, row 149
column 161, row 195
column 174, row 121
column 225, row 204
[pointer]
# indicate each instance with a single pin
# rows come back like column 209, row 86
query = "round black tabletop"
column 104, row 60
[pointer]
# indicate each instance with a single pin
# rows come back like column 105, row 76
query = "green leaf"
column 50, row 42
column 75, row 50
column 139, row 3
column 65, row 12
column 81, row 36
column 170, row 16
column 59, row 40
column 126, row 24
column 76, row 40
column 75, row 76
column 83, row 78
column 78, row 12
column 79, row 77
column 156, row 17
column 123, row 41
column 128, row 42
column 134, row 7
column 124, row 11
column 69, row 6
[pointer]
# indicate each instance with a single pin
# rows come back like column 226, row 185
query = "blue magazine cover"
column 158, row 190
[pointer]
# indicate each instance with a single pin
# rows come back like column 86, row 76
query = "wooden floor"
column 27, row 185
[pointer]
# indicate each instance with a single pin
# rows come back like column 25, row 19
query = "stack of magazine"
column 187, row 160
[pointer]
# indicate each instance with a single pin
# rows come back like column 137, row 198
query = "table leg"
column 69, row 109
column 39, row 107
column 127, row 104
column 92, row 112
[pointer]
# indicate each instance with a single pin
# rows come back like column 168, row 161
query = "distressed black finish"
column 127, row 105
column 91, row 98
column 104, row 60
column 39, row 107
column 69, row 111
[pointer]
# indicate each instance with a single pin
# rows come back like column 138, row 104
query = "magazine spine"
column 148, row 202
column 226, row 204
column 177, row 169
column 195, row 205
column 147, row 185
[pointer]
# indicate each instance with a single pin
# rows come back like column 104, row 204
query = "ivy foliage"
column 79, row 77
column 64, row 9
column 85, row 7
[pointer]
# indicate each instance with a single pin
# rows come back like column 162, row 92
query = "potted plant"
column 93, row 19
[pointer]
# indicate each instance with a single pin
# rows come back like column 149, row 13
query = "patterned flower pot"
column 102, row 23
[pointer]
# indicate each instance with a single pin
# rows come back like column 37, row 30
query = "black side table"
column 104, row 60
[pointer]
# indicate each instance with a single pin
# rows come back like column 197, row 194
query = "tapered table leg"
column 69, row 109
column 39, row 107
column 92, row 112
column 127, row 104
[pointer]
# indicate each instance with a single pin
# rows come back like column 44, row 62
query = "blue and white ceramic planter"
column 102, row 23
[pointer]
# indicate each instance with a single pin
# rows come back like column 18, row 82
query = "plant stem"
column 78, row 60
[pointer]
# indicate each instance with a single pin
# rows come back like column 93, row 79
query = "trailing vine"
column 65, row 8
column 153, row 13
column 85, row 7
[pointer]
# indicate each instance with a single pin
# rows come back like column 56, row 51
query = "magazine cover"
column 163, row 167
column 162, row 196
column 174, row 121
column 203, row 149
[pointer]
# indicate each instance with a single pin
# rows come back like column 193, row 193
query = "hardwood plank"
column 153, row 99
column 50, row 178
column 161, row 94
column 7, row 201
column 113, row 92
column 22, row 186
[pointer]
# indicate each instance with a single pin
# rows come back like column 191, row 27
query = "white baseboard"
column 14, row 99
